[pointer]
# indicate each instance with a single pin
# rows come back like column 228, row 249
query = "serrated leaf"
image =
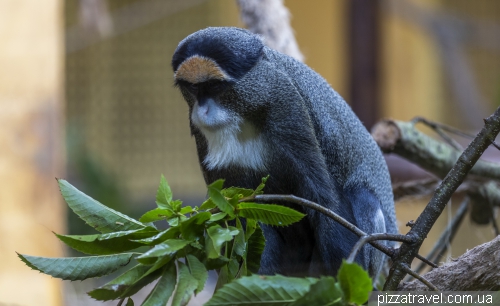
column 355, row 282
column 198, row 271
column 77, row 268
column 126, row 284
column 186, row 285
column 168, row 247
column 171, row 232
column 98, row 247
column 193, row 228
column 106, row 244
column 261, row 290
column 156, row 215
column 255, row 248
column 163, row 288
column 323, row 292
column 271, row 214
column 219, row 200
column 218, row 236
column 95, row 214
column 164, row 194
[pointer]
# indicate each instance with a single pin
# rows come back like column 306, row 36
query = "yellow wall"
column 411, row 78
column 31, row 56
column 320, row 29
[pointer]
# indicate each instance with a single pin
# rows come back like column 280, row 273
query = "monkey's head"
column 210, row 68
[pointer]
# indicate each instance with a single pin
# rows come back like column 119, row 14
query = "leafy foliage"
column 199, row 239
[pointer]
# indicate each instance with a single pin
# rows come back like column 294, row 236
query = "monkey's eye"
column 193, row 88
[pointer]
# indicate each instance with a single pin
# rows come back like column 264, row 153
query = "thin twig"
column 120, row 302
column 426, row 261
column 440, row 126
column 303, row 202
column 373, row 237
column 447, row 235
column 420, row 278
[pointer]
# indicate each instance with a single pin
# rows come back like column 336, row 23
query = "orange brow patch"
column 198, row 69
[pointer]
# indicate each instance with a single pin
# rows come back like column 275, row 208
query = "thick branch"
column 441, row 197
column 438, row 158
column 271, row 19
column 476, row 270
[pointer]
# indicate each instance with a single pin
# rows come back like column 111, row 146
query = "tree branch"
column 438, row 158
column 476, row 270
column 442, row 195
column 271, row 19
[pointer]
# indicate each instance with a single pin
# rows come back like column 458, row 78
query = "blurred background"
column 86, row 94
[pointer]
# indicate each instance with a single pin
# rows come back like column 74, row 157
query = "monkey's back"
column 352, row 158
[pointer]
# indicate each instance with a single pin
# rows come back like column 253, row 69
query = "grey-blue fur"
column 316, row 148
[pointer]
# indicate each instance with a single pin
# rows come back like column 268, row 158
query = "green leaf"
column 163, row 289
column 217, row 185
column 217, row 262
column 106, row 244
column 193, row 228
column 233, row 267
column 255, row 248
column 198, row 271
column 251, row 226
column 219, row 200
column 323, row 292
column 222, row 278
column 232, row 192
column 186, row 210
column 156, row 215
column 164, row 194
column 126, row 284
column 171, row 232
column 208, row 204
column 176, row 205
column 168, row 247
column 271, row 214
column 355, row 282
column 97, row 215
column 77, row 268
column 217, row 217
column 98, row 247
column 218, row 236
column 130, row 302
column 186, row 285
column 239, row 246
column 260, row 188
column 261, row 290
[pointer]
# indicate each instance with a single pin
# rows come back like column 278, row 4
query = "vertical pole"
column 363, row 45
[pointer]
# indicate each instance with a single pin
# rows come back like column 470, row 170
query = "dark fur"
column 317, row 149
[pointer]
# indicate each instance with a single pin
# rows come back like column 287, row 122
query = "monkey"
column 255, row 112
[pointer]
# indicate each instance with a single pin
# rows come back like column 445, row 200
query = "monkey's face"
column 206, row 100
column 211, row 67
